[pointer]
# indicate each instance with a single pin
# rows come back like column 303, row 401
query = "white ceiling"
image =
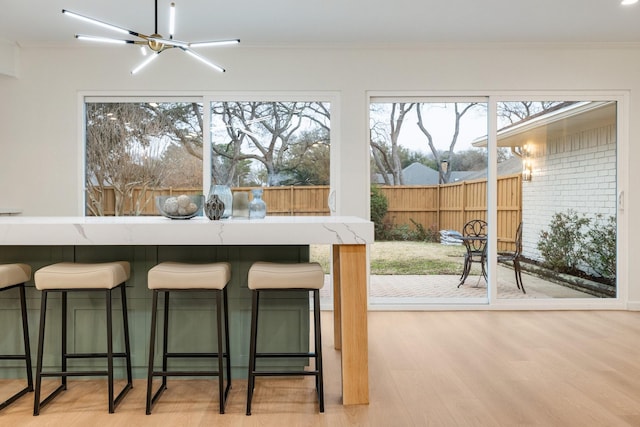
column 334, row 22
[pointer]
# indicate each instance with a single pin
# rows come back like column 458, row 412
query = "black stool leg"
column 252, row 348
column 109, row 350
column 127, row 342
column 63, row 346
column 43, row 313
column 165, row 342
column 152, row 347
column 318, row 349
column 25, row 334
column 220, row 352
column 226, row 338
column 26, row 356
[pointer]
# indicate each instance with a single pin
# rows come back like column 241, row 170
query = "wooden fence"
column 437, row 207
column 450, row 206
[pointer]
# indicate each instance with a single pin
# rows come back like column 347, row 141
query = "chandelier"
column 155, row 43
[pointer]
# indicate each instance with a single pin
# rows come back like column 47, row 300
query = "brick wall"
column 576, row 171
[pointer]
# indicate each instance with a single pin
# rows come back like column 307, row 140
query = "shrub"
column 379, row 205
column 424, row 234
column 601, row 246
column 563, row 246
column 577, row 243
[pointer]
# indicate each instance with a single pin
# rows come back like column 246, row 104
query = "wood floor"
column 475, row 368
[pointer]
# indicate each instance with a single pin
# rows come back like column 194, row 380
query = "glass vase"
column 224, row 194
column 257, row 206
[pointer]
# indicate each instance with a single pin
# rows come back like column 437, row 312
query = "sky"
column 439, row 121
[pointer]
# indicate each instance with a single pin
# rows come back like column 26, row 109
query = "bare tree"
column 120, row 155
column 514, row 112
column 266, row 132
column 440, row 157
column 387, row 158
column 181, row 122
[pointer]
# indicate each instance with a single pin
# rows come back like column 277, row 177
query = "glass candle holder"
column 240, row 204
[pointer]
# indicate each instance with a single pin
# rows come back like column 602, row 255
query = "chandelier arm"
column 146, row 62
column 102, row 23
column 214, row 43
column 100, row 39
column 203, row 59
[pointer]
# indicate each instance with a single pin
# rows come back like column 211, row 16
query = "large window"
column 270, row 143
column 136, row 150
column 141, row 148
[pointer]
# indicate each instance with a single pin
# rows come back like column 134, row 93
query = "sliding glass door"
column 538, row 177
column 561, row 241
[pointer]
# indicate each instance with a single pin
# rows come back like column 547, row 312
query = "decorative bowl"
column 181, row 206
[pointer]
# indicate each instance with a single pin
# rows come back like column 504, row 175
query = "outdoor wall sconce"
column 526, row 170
column 526, row 162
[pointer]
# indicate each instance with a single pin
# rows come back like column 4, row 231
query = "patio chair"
column 514, row 257
column 474, row 237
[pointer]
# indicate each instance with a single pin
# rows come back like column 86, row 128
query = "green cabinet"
column 284, row 318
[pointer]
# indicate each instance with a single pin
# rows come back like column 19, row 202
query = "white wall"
column 576, row 172
column 39, row 130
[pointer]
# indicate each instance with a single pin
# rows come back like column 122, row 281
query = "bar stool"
column 269, row 277
column 15, row 276
column 170, row 277
column 68, row 277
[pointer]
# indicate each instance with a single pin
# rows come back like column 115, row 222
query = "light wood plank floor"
column 475, row 368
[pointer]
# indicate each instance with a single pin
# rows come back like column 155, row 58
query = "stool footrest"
column 195, row 355
column 74, row 373
column 92, row 355
column 274, row 355
column 186, row 374
column 284, row 373
column 13, row 357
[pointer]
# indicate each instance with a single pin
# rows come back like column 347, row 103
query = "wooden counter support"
column 350, row 313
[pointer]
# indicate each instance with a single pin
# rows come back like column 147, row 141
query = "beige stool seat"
column 271, row 275
column 276, row 278
column 68, row 277
column 168, row 277
column 177, row 275
column 15, row 276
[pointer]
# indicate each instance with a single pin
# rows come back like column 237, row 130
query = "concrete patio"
column 446, row 286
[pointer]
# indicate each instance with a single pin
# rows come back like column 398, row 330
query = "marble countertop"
column 156, row 230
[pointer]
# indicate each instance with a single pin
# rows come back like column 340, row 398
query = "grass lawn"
column 408, row 258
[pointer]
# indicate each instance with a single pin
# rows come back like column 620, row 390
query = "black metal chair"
column 14, row 276
column 514, row 257
column 474, row 238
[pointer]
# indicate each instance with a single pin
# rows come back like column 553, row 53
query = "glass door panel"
column 557, row 199
column 427, row 181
